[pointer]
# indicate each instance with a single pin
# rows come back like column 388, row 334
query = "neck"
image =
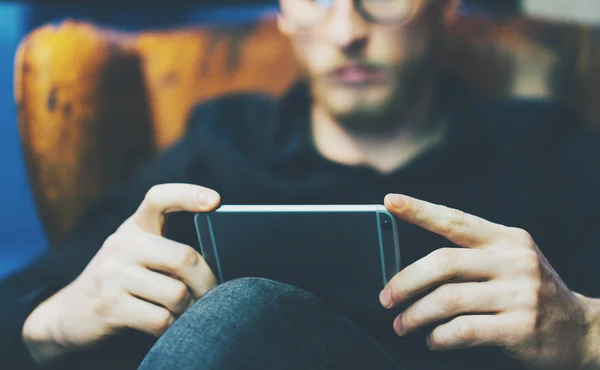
column 384, row 151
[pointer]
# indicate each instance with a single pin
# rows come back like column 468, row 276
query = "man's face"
column 364, row 73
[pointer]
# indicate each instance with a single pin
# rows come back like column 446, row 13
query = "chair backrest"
column 95, row 103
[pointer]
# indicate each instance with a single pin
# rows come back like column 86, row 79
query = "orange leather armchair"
column 95, row 103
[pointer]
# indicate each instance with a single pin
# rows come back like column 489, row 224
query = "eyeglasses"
column 308, row 13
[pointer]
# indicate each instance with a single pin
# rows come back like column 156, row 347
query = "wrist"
column 591, row 357
column 39, row 334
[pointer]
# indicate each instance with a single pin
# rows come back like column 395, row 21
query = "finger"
column 178, row 260
column 460, row 228
column 160, row 289
column 438, row 267
column 451, row 300
column 167, row 198
column 504, row 330
column 146, row 317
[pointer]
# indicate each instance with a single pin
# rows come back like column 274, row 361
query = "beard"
column 379, row 108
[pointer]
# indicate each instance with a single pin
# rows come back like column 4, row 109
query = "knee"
column 256, row 293
column 252, row 284
column 253, row 288
column 256, row 297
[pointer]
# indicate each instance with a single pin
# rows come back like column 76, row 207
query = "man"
column 375, row 120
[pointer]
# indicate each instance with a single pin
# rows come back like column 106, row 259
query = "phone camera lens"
column 386, row 224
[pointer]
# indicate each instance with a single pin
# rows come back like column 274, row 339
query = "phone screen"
column 318, row 251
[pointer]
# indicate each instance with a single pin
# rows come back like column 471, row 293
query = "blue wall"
column 21, row 236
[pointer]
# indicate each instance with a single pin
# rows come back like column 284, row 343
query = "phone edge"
column 299, row 208
column 394, row 227
column 211, row 234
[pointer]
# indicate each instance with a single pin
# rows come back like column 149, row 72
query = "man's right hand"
column 138, row 280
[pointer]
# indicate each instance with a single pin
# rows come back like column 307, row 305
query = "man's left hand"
column 497, row 290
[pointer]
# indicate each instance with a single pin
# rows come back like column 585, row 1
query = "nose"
column 347, row 29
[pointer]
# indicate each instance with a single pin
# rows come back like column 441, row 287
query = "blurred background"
column 22, row 236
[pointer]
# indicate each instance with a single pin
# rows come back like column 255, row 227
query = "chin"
column 342, row 100
column 364, row 108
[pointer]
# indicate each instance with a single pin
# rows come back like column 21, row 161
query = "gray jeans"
column 260, row 324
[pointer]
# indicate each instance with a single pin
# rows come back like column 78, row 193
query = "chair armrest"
column 83, row 117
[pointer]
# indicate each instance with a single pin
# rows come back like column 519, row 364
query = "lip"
column 357, row 75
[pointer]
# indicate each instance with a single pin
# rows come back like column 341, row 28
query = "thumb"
column 167, row 198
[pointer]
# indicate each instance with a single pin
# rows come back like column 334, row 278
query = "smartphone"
column 314, row 247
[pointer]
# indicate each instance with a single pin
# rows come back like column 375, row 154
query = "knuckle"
column 117, row 242
column 102, row 289
column 457, row 221
column 528, row 323
column 105, row 305
column 446, row 259
column 450, row 298
column 525, row 296
column 459, row 218
column 161, row 322
column 521, row 238
column 152, row 195
column 533, row 294
column 108, row 269
column 409, row 318
column 396, row 291
column 188, row 258
column 101, row 270
column 530, row 262
column 418, row 210
column 436, row 340
column 181, row 295
column 464, row 331
column 112, row 243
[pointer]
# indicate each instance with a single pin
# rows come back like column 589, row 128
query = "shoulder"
column 551, row 143
column 554, row 129
column 527, row 124
column 536, row 133
column 547, row 141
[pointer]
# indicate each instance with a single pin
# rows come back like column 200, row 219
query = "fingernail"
column 385, row 297
column 397, row 200
column 398, row 328
column 208, row 198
